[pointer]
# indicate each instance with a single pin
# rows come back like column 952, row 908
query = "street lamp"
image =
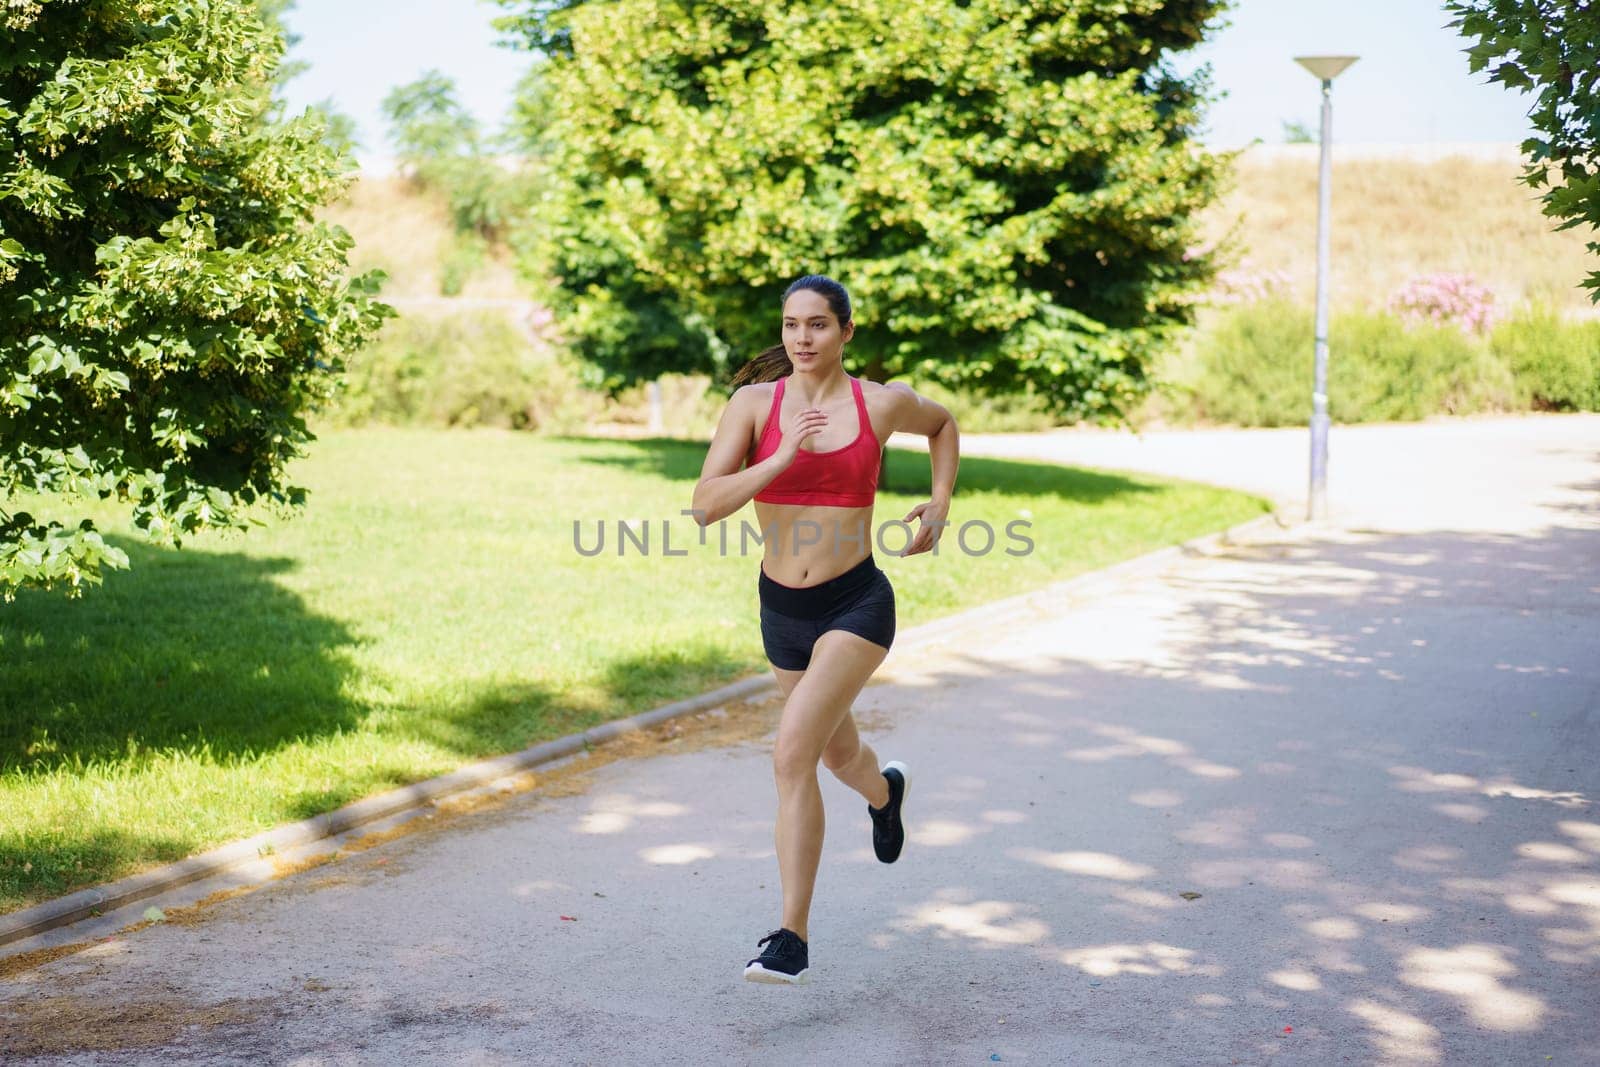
column 1324, row 69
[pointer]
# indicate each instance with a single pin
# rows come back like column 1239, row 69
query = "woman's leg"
column 853, row 762
column 787, row 680
column 841, row 663
column 851, row 759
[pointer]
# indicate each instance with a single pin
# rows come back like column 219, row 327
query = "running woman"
column 804, row 440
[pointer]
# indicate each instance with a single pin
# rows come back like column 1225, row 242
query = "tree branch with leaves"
column 1550, row 48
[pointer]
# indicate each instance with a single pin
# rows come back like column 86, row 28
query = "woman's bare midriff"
column 810, row 543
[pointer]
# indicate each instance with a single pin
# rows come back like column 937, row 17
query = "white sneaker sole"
column 905, row 775
column 905, row 791
column 754, row 973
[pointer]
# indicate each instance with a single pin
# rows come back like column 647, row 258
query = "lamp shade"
column 1325, row 68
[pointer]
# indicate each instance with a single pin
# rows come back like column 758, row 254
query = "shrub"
column 1007, row 413
column 468, row 253
column 1384, row 369
column 1444, row 297
column 1554, row 363
column 1255, row 368
column 463, row 370
column 1246, row 285
column 690, row 406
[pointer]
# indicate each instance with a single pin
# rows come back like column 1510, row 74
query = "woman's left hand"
column 933, row 515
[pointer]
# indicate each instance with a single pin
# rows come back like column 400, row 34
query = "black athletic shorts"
column 859, row 601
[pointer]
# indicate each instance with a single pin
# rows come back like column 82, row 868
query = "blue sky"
column 1410, row 85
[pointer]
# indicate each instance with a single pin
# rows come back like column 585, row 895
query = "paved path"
column 1322, row 799
column 1449, row 474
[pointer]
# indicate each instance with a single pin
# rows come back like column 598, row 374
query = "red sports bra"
column 841, row 478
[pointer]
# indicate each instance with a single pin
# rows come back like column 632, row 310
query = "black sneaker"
column 888, row 832
column 782, row 962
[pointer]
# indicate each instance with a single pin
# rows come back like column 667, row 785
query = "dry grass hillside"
column 1397, row 218
column 1393, row 219
column 407, row 233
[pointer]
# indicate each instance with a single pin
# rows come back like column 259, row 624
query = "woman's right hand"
column 806, row 424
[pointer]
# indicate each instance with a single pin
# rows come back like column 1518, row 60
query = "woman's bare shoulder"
column 754, row 391
column 752, row 402
column 903, row 407
column 748, row 399
column 888, row 393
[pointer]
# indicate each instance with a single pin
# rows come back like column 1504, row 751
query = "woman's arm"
column 723, row 487
column 919, row 415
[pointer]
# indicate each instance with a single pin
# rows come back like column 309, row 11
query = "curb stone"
column 83, row 904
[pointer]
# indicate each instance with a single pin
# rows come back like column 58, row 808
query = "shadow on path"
column 1373, row 763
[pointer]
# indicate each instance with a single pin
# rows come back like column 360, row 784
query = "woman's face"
column 811, row 332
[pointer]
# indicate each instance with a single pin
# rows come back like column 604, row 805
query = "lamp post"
column 1324, row 69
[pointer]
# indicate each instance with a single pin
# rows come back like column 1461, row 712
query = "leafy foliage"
column 169, row 307
column 1551, row 48
column 1006, row 186
column 1556, row 363
column 426, row 122
column 1255, row 367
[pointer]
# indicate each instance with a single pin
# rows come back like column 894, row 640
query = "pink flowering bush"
column 1446, row 298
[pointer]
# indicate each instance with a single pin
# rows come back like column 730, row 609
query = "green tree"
column 426, row 122
column 1551, row 48
column 441, row 148
column 170, row 308
column 1007, row 187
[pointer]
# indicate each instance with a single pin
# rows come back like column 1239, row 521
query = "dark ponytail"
column 774, row 363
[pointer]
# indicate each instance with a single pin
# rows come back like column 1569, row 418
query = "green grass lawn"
column 428, row 609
